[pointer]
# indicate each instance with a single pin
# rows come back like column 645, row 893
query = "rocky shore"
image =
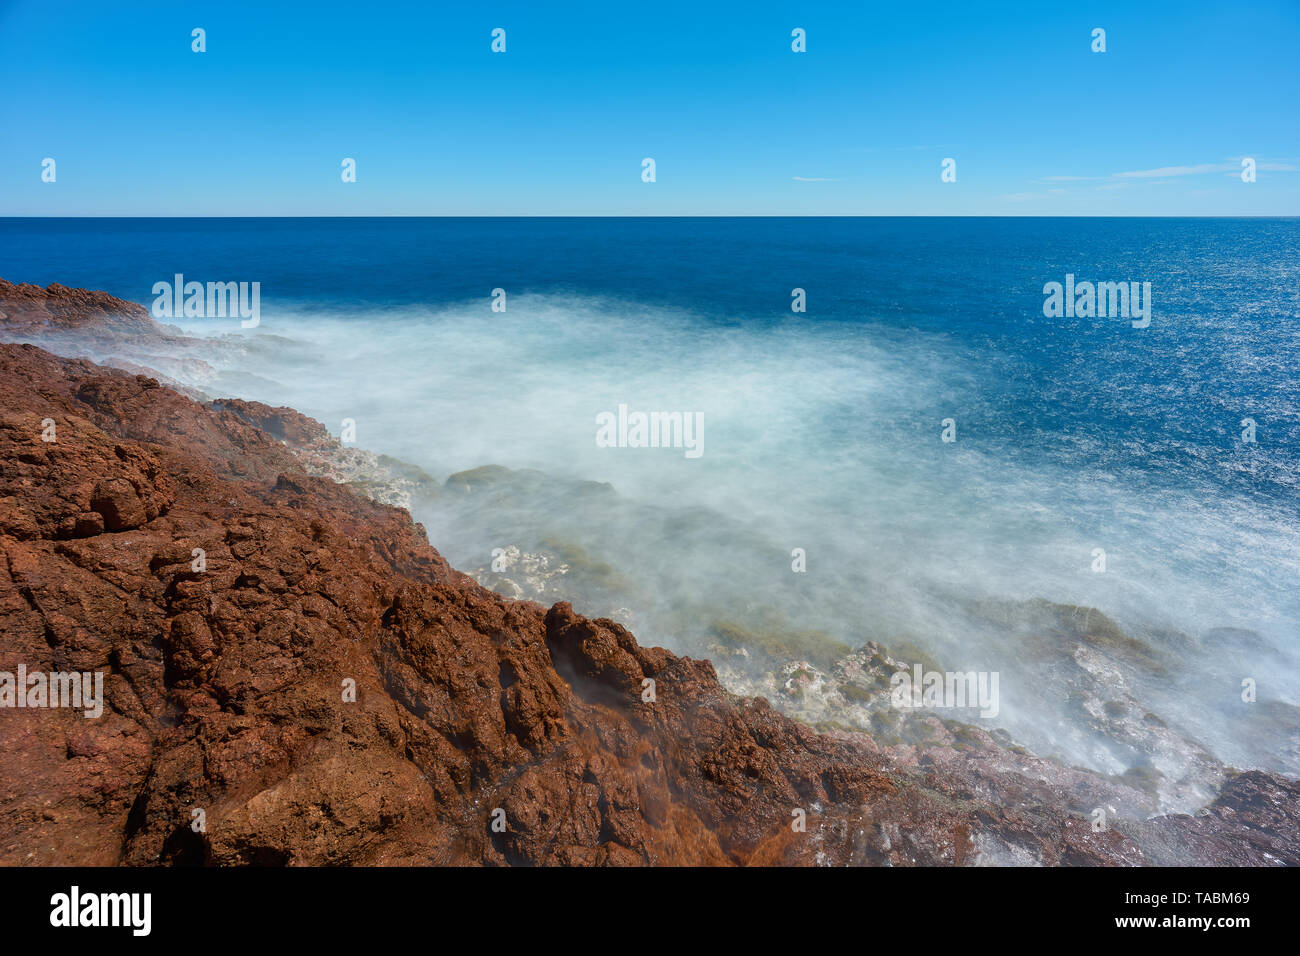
column 294, row 675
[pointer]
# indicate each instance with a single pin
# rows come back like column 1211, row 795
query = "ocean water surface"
column 822, row 430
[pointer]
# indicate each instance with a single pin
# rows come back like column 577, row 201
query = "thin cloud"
column 1163, row 175
column 1162, row 171
column 814, row 179
column 1232, row 166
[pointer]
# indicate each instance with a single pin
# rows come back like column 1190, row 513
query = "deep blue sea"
column 823, row 430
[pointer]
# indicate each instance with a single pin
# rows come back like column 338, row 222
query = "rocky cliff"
column 293, row 675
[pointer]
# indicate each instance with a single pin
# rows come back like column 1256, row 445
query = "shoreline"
column 549, row 698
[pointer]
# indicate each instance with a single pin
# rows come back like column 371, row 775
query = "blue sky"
column 737, row 123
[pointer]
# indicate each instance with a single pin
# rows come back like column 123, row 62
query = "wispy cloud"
column 815, row 179
column 1231, row 166
column 1161, row 175
column 1163, row 171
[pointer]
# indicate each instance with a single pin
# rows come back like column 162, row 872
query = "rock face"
column 293, row 675
column 319, row 453
column 30, row 311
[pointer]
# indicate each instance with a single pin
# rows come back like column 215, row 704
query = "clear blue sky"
column 737, row 123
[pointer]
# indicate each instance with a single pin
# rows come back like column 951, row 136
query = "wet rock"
column 523, row 575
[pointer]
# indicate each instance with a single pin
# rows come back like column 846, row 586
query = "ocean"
column 1101, row 509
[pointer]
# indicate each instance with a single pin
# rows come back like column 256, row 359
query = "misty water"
column 822, row 431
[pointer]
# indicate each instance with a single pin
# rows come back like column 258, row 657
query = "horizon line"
column 663, row 216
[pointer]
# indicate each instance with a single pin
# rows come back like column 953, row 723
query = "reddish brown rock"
column 30, row 311
column 1240, row 828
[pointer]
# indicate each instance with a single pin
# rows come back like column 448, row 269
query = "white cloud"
column 1162, row 175
column 1174, row 171
column 1230, row 167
